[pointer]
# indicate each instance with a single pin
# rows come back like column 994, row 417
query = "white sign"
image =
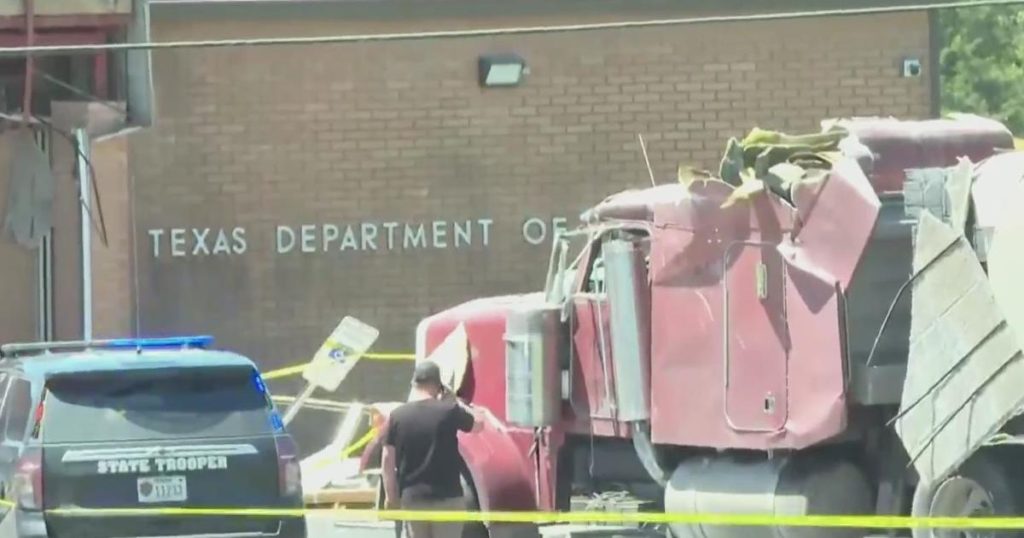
column 356, row 237
column 339, row 353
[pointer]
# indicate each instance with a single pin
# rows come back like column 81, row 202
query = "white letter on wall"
column 540, row 231
column 281, row 231
column 156, row 235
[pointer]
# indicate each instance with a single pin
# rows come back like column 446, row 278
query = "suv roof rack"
column 138, row 344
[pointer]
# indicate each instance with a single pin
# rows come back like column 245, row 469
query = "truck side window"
column 595, row 278
column 4, row 383
column 16, row 411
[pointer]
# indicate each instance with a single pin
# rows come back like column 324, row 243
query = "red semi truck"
column 833, row 339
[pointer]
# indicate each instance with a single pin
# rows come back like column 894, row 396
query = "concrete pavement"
column 330, row 526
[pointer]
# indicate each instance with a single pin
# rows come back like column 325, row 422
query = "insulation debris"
column 778, row 162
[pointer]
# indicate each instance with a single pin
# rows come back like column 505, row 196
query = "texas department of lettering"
column 361, row 236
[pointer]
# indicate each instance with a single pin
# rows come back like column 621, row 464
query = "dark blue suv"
column 142, row 424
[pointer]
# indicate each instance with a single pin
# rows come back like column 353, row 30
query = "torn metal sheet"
column 899, row 145
column 637, row 204
column 30, row 194
column 838, row 219
column 327, row 464
column 1006, row 259
column 994, row 195
column 958, row 185
column 964, row 370
column 452, row 358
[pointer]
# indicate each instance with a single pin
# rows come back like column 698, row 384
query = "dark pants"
column 434, row 529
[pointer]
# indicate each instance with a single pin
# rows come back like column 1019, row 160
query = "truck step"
column 596, row 531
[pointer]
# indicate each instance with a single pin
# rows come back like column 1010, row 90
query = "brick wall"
column 378, row 132
column 112, row 288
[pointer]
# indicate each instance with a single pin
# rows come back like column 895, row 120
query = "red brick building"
column 273, row 190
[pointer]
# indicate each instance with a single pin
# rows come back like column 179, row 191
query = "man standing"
column 420, row 461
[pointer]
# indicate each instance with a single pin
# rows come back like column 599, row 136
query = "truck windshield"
column 566, row 256
column 155, row 404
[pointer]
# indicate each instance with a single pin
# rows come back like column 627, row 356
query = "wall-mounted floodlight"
column 505, row 69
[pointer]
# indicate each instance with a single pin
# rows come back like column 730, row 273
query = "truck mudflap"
column 965, row 367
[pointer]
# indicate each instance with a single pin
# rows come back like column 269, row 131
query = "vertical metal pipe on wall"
column 30, row 38
column 44, row 262
column 85, row 199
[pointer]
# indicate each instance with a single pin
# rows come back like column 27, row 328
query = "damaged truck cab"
column 834, row 308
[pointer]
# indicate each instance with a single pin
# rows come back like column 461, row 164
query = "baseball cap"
column 427, row 373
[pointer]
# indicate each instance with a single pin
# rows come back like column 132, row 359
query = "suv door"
column 6, row 458
column 14, row 417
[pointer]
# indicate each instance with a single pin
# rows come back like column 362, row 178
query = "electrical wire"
column 482, row 32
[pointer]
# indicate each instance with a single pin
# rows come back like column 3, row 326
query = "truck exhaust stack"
column 629, row 295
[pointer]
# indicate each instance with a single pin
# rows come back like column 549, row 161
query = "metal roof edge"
column 404, row 9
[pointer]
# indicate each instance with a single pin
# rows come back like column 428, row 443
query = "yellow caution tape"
column 298, row 368
column 349, row 450
column 752, row 520
column 362, row 442
column 334, row 405
column 749, row 520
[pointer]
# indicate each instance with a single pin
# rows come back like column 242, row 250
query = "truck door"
column 756, row 339
column 593, row 345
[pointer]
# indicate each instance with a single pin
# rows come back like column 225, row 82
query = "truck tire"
column 982, row 487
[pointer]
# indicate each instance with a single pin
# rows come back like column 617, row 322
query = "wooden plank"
column 367, row 496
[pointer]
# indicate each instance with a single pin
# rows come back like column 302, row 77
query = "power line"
column 482, row 32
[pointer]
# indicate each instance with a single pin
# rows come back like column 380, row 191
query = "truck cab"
column 712, row 345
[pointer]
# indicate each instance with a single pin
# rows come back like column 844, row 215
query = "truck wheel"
column 980, row 488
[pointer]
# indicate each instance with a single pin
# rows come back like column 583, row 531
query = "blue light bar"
column 257, row 380
column 157, row 343
column 276, row 423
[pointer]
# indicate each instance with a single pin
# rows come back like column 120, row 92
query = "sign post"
column 339, row 353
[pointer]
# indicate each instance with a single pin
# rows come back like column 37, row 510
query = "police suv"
column 86, row 427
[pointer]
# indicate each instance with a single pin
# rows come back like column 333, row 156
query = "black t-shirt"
column 427, row 448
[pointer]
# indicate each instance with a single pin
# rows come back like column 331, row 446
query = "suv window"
column 17, row 410
column 159, row 403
